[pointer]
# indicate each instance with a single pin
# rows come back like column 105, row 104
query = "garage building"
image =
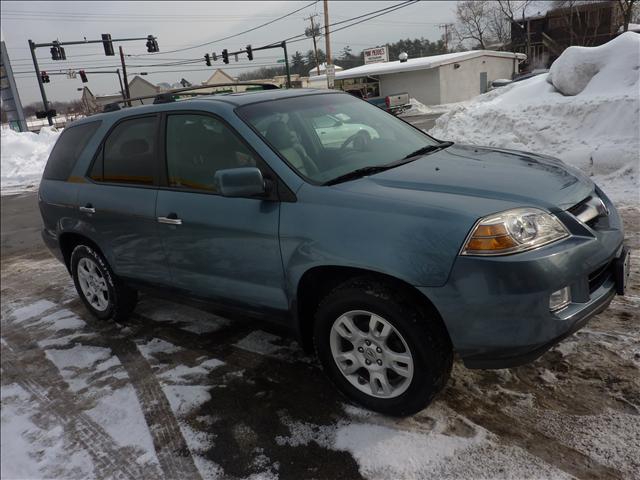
column 448, row 78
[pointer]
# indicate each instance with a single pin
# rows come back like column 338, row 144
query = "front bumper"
column 496, row 309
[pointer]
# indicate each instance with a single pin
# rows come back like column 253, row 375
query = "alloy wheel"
column 371, row 354
column 93, row 284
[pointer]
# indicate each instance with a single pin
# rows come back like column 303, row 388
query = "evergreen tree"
column 298, row 65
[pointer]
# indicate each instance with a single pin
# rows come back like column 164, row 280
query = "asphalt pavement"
column 21, row 223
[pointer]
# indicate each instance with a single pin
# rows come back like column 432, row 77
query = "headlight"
column 513, row 231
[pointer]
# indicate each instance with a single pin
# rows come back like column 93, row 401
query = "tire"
column 415, row 330
column 113, row 300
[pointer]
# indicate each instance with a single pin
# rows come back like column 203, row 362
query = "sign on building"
column 331, row 75
column 376, row 55
column 11, row 107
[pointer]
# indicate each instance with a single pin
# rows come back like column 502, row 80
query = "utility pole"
column 312, row 33
column 45, row 102
column 127, row 95
column 446, row 27
column 326, row 31
column 286, row 63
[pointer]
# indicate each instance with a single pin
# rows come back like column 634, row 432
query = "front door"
column 118, row 206
column 222, row 248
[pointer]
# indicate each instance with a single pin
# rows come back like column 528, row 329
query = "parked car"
column 501, row 82
column 384, row 255
column 395, row 103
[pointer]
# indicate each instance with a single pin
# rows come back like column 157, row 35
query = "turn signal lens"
column 513, row 231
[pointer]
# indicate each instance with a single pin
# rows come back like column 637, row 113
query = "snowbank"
column 585, row 111
column 419, row 108
column 23, row 156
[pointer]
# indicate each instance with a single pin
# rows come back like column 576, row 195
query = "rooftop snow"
column 420, row 63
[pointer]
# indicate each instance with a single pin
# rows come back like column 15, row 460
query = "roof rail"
column 175, row 94
column 111, row 107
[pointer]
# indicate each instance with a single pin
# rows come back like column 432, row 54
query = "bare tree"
column 499, row 27
column 473, row 21
column 628, row 9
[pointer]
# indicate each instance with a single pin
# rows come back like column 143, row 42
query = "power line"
column 234, row 67
column 238, row 34
column 380, row 12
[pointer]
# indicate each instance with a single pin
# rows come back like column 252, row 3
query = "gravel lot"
column 182, row 393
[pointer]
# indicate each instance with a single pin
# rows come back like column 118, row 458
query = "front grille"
column 590, row 210
column 599, row 276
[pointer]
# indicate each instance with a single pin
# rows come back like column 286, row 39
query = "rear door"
column 222, row 248
column 118, row 203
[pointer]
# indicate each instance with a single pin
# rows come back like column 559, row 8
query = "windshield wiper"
column 428, row 149
column 360, row 172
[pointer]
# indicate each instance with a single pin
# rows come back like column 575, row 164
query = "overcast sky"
column 184, row 24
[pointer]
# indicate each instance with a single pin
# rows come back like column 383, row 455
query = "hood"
column 505, row 175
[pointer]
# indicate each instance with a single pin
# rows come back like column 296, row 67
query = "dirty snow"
column 585, row 111
column 23, row 157
column 437, row 443
column 121, row 416
column 29, row 451
column 419, row 108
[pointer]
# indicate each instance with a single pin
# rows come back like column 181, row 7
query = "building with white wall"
column 448, row 78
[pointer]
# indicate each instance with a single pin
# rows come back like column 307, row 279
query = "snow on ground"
column 585, row 111
column 419, row 108
column 23, row 156
column 240, row 402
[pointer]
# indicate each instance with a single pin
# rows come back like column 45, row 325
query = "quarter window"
column 128, row 154
column 197, row 147
column 67, row 150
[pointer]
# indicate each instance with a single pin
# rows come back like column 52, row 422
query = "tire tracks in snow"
column 171, row 448
column 45, row 384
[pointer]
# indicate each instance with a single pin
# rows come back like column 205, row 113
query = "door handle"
column 88, row 208
column 171, row 219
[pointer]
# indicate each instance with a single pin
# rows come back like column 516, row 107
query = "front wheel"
column 380, row 348
column 104, row 295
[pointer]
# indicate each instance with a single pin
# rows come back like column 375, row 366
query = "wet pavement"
column 179, row 392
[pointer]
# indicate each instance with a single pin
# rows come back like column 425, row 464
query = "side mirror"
column 240, row 182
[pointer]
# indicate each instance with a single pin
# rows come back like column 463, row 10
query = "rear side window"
column 128, row 154
column 67, row 150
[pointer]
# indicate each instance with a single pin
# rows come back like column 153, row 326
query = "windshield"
column 327, row 136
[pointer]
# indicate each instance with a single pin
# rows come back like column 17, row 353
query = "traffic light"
column 57, row 52
column 44, row 77
column 83, row 76
column 207, row 59
column 215, row 56
column 152, row 44
column 225, row 56
column 107, row 44
column 249, row 52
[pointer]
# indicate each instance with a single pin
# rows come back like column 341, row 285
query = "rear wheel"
column 381, row 349
column 104, row 295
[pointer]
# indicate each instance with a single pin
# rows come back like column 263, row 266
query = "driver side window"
column 197, row 147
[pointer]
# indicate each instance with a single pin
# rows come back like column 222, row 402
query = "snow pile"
column 23, row 156
column 585, row 111
column 419, row 108
column 595, row 70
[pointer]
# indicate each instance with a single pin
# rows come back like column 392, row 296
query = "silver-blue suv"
column 383, row 249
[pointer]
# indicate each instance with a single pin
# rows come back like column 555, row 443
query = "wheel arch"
column 318, row 281
column 69, row 240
